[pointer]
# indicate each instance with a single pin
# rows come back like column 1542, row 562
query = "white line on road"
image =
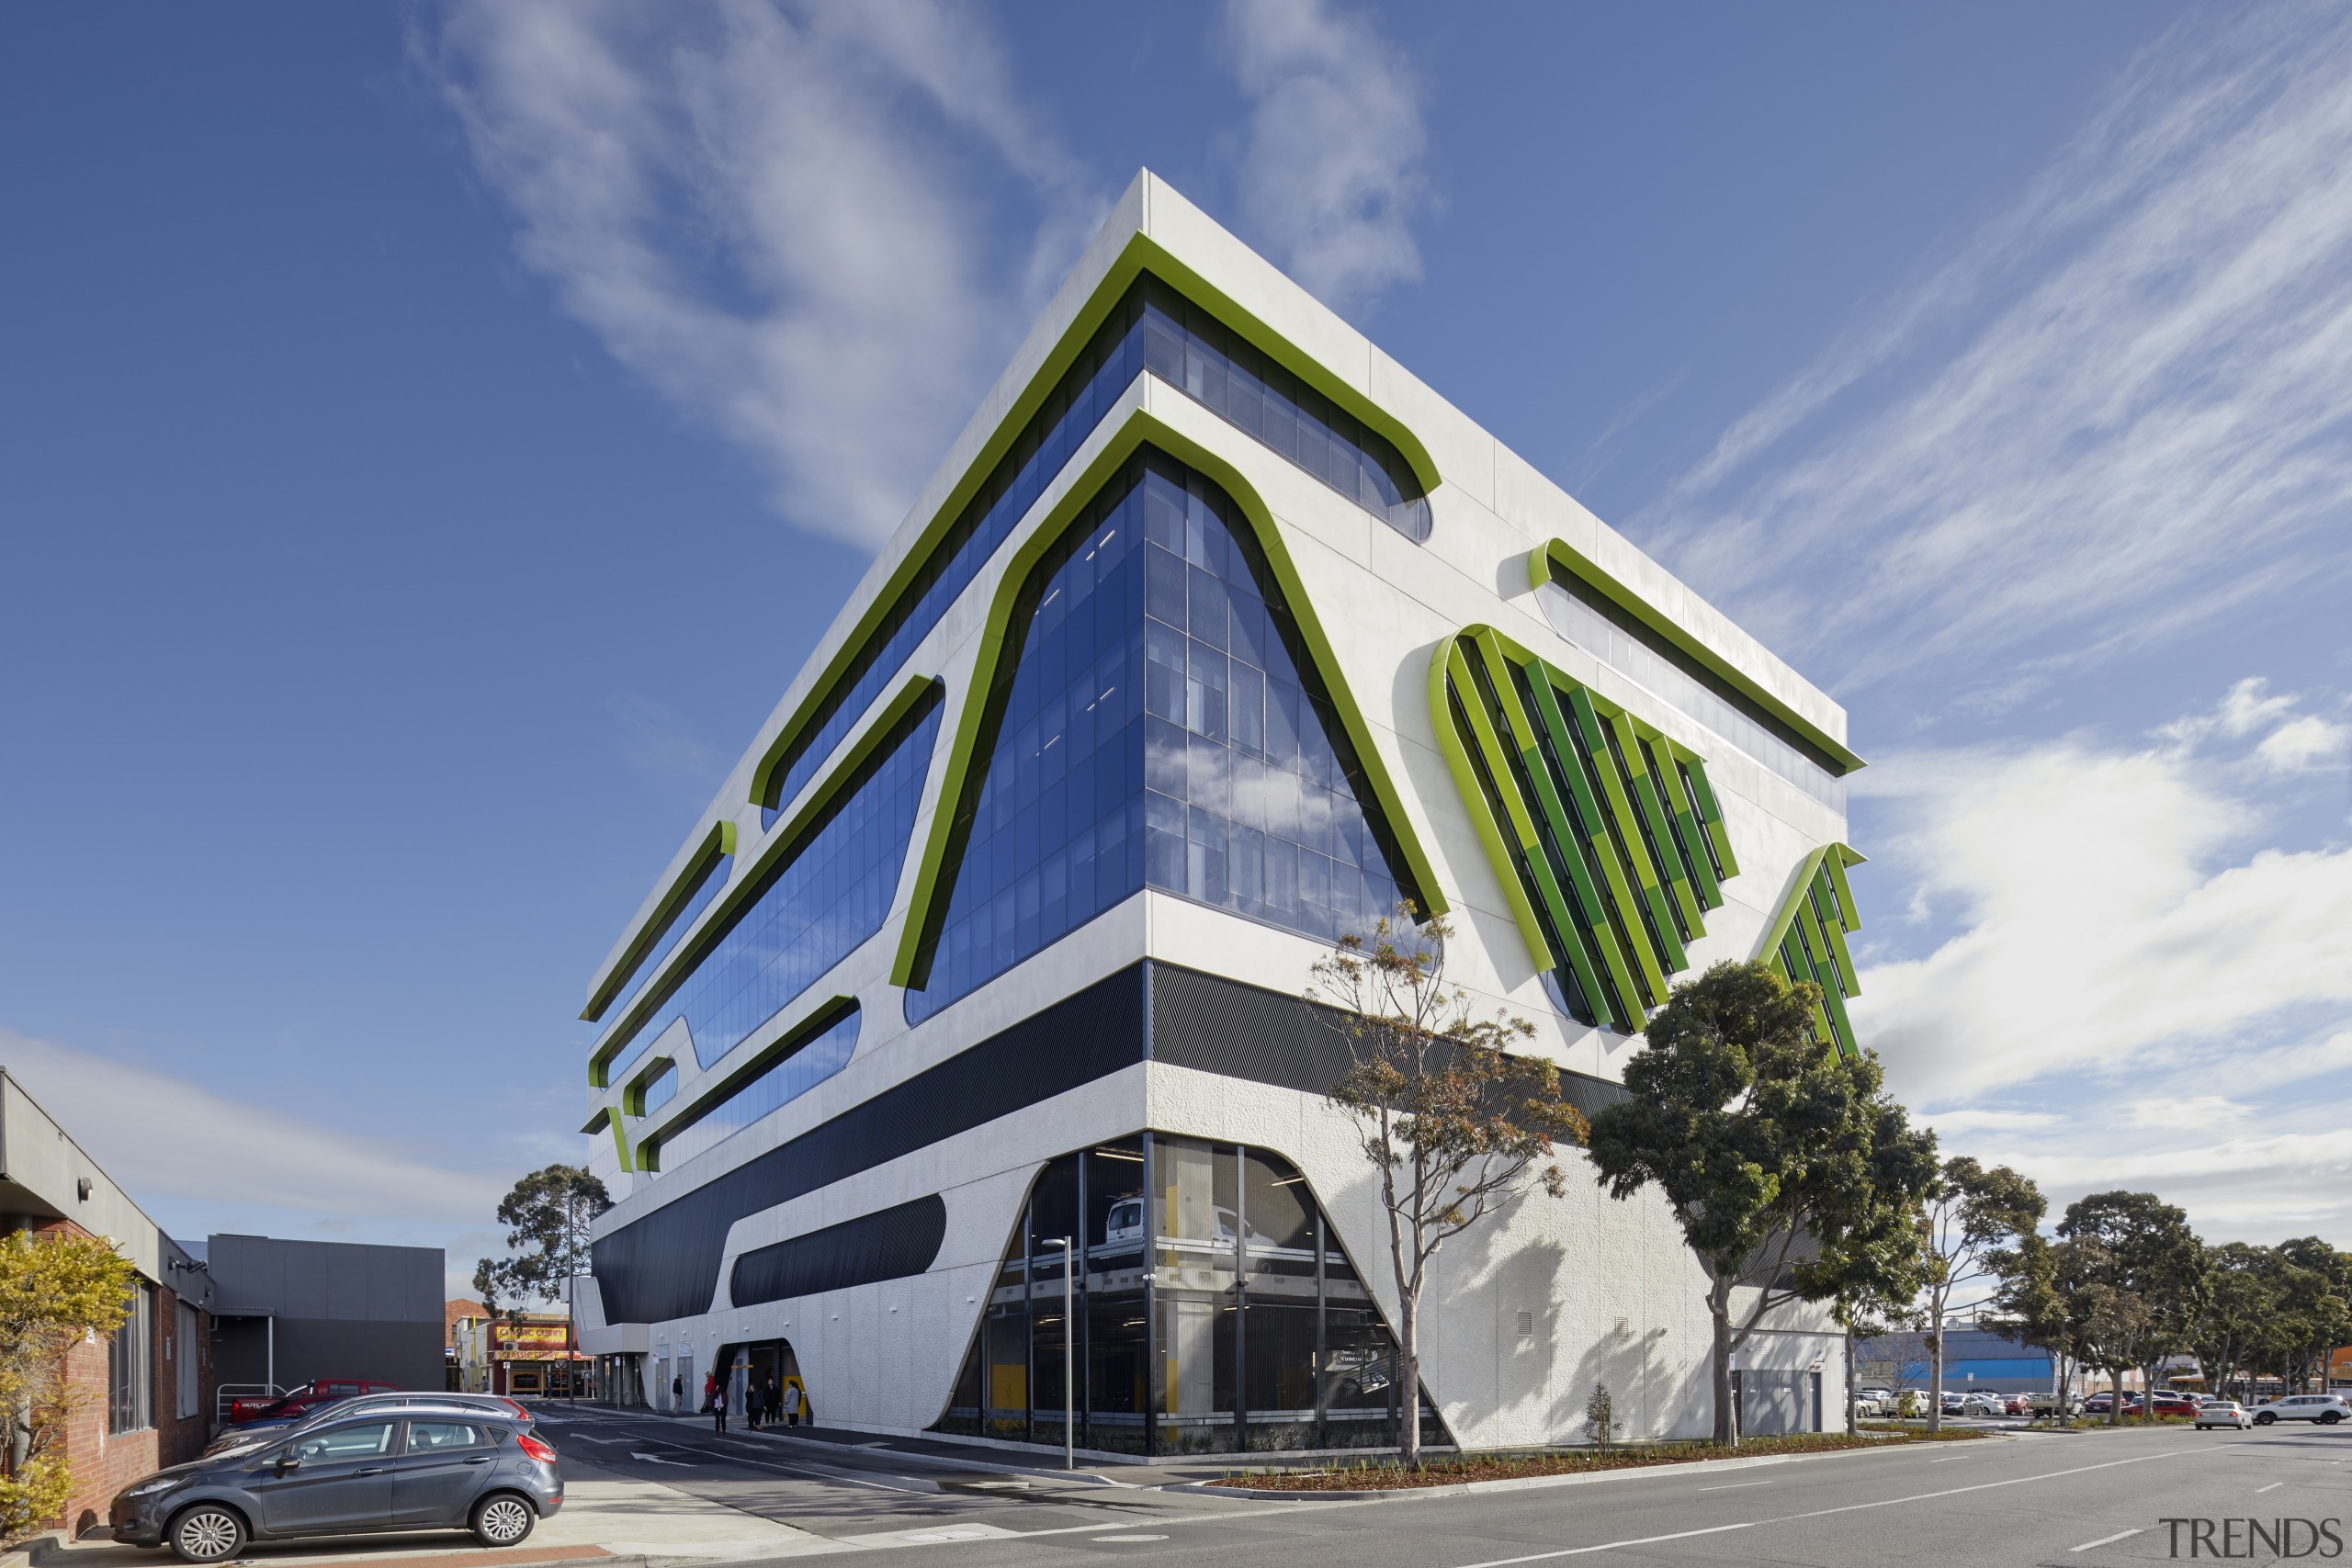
column 2107, row 1540
column 1735, row 1486
column 2272, row 1487
column 1610, row 1546
column 1847, row 1508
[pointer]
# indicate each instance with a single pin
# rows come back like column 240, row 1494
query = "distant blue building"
column 1973, row 1359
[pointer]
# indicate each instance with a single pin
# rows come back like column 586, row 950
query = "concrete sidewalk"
column 642, row 1521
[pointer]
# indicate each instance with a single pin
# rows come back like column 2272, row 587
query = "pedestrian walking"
column 718, row 1406
column 792, row 1402
column 751, row 1406
column 677, row 1394
column 769, row 1401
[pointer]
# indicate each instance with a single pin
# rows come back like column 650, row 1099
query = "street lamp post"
column 1069, row 1339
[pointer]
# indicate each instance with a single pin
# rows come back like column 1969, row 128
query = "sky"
column 432, row 436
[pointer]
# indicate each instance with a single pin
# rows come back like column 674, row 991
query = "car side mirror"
column 286, row 1462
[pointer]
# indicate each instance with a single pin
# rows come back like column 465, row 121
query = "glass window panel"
column 1256, row 759
column 777, row 1086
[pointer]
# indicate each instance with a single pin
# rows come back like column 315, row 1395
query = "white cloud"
column 2110, row 919
column 1331, row 172
column 171, row 1143
column 2302, row 744
column 775, row 216
column 2117, row 411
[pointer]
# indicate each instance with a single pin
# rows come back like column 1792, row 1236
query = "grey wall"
column 342, row 1309
column 342, row 1282
column 407, row 1355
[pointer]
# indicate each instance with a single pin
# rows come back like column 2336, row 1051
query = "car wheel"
column 207, row 1533
column 503, row 1518
column 2264, row 1417
column 2330, row 1417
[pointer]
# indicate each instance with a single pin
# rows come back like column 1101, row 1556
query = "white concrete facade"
column 1609, row 1290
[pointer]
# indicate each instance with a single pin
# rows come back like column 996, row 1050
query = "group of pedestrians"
column 762, row 1400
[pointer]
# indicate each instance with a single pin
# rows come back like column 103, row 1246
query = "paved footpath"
column 649, row 1489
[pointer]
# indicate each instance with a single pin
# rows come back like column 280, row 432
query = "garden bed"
column 1388, row 1476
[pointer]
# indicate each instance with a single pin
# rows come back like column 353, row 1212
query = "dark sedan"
column 375, row 1471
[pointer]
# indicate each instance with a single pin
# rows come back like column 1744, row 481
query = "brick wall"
column 102, row 1463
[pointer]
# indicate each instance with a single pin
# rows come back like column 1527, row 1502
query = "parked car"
column 2326, row 1409
column 2016, row 1404
column 253, row 1434
column 2171, row 1403
column 2223, row 1413
column 358, row 1475
column 302, row 1400
column 1983, row 1405
column 1951, row 1402
column 2051, row 1404
column 2101, row 1403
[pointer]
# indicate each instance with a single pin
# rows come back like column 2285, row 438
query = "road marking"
column 1847, row 1508
column 1610, row 1546
column 1130, row 1537
column 2107, row 1540
column 2272, row 1487
column 1947, row 1459
column 656, row 1458
column 1735, row 1486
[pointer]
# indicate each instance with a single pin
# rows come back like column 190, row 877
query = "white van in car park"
column 2324, row 1409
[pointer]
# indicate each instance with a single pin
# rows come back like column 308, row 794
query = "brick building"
column 146, row 1391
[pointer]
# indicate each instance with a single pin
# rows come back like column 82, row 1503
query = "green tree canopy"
column 1788, row 1166
column 1973, row 1221
column 547, row 1217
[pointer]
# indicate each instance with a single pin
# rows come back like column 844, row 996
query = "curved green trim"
column 826, row 1015
column 1141, row 254
column 1575, row 563
column 1800, row 945
column 816, row 801
column 604, row 1118
column 719, row 840
column 1624, row 830
column 1140, row 427
column 1144, row 253
column 633, row 1093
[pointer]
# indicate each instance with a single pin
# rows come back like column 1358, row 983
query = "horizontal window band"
column 666, row 1263
column 891, row 1243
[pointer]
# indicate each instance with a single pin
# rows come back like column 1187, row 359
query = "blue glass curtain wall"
column 707, row 880
column 821, row 899
column 1153, row 327
column 1216, row 1313
column 1191, row 350
column 811, row 1063
column 1156, row 721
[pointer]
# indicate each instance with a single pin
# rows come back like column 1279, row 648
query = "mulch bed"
column 1375, row 1476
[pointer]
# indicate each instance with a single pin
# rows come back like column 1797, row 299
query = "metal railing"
column 225, row 1397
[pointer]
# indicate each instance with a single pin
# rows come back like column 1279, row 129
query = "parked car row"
column 2326, row 1409
column 358, row 1465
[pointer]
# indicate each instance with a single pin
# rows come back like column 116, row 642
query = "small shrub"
column 1600, row 1423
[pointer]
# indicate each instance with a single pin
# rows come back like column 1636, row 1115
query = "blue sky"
column 431, row 437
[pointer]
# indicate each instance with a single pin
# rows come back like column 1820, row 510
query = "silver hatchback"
column 375, row 1471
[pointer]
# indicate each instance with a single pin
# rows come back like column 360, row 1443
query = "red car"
column 300, row 1401
column 2170, row 1405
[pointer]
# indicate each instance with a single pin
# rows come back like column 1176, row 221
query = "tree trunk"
column 2115, row 1398
column 1408, row 1378
column 1726, row 1413
column 1936, row 1368
column 1852, row 1426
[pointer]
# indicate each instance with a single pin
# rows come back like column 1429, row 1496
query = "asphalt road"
column 2088, row 1500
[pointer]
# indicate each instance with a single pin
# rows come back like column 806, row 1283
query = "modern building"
column 142, row 1397
column 1214, row 634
